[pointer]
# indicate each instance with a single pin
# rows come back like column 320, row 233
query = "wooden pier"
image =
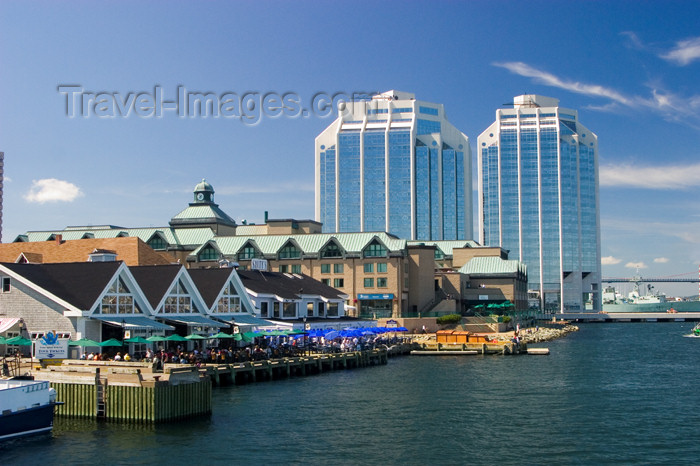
column 466, row 349
column 136, row 392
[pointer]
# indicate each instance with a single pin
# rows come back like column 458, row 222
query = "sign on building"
column 258, row 264
column 50, row 347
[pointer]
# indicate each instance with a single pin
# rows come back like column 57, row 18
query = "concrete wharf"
column 137, row 392
column 625, row 317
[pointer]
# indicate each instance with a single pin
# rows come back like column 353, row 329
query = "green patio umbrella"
column 237, row 336
column 83, row 342
column 249, row 336
column 2, row 340
column 137, row 340
column 19, row 341
column 220, row 335
column 112, row 342
column 194, row 336
column 175, row 337
column 156, row 338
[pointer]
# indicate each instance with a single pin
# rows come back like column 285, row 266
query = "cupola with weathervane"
column 203, row 193
column 203, row 212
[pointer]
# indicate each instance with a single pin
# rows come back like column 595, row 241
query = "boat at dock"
column 26, row 407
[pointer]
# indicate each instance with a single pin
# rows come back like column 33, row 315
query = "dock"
column 137, row 392
column 607, row 317
column 467, row 349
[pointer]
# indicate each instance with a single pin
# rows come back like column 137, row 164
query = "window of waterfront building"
column 331, row 250
column 178, row 300
column 208, row 253
column 6, row 284
column 283, row 268
column 428, row 110
column 399, row 180
column 325, row 268
column 289, row 309
column 263, row 309
column 349, row 191
column 289, row 252
column 381, row 267
column 296, row 268
column 338, row 283
column 374, row 180
column 157, row 243
column 229, row 301
column 309, row 309
column 118, row 300
column 249, row 252
column 439, row 255
column 381, row 282
column 369, row 282
column 369, row 268
column 337, row 268
column 326, row 281
column 332, row 310
column 375, row 249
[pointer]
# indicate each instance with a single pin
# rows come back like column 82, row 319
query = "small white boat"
column 26, row 407
column 695, row 333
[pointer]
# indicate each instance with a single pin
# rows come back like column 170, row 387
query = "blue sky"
column 631, row 69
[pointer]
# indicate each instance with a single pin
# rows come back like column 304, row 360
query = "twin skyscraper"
column 395, row 164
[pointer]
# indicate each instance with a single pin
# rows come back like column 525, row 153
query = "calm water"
column 611, row 393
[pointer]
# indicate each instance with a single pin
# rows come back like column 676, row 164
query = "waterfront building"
column 102, row 300
column 381, row 275
column 538, row 199
column 394, row 164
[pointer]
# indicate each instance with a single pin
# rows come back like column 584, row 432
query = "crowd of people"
column 261, row 349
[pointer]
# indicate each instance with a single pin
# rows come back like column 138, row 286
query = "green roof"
column 492, row 266
column 353, row 243
column 200, row 213
column 174, row 237
column 447, row 246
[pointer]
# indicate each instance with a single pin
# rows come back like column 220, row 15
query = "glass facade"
column 374, row 186
column 409, row 180
column 538, row 200
column 349, row 188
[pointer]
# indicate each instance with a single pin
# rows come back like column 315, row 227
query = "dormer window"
column 248, row 252
column 289, row 252
column 158, row 243
column 375, row 249
column 208, row 253
column 331, row 250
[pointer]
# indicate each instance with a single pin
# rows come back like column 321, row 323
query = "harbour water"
column 622, row 393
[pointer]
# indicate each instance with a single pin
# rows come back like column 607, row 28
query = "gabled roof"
column 131, row 250
column 210, row 282
column 492, row 266
column 77, row 283
column 352, row 243
column 155, row 281
column 286, row 286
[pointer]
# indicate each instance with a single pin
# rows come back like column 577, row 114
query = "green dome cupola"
column 203, row 193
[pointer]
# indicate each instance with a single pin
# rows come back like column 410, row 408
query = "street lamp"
column 305, row 339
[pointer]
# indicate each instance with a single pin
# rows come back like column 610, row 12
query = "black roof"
column 285, row 285
column 78, row 283
column 209, row 282
column 155, row 280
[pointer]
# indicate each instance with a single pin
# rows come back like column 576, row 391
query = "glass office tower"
column 393, row 163
column 538, row 199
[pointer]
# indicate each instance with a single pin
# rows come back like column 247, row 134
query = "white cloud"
column 658, row 177
column 672, row 107
column 636, row 265
column 52, row 190
column 661, row 260
column 610, row 260
column 684, row 53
